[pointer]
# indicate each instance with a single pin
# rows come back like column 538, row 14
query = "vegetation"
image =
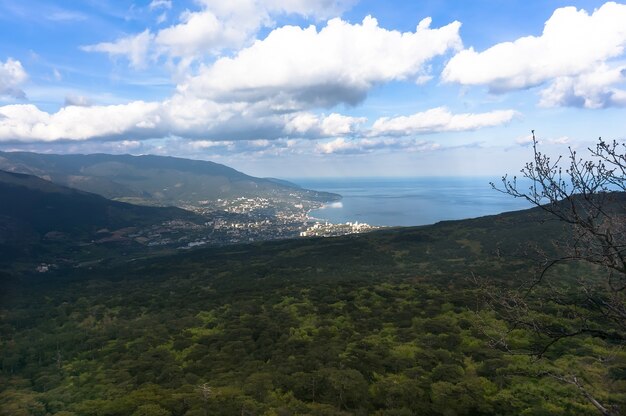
column 40, row 220
column 388, row 323
column 153, row 180
column 587, row 195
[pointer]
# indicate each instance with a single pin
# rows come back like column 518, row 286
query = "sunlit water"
column 410, row 201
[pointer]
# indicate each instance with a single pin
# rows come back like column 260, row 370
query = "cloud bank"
column 439, row 120
column 266, row 91
column 207, row 120
column 575, row 54
column 296, row 82
column 338, row 64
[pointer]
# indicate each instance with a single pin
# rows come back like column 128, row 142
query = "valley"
column 386, row 323
column 214, row 205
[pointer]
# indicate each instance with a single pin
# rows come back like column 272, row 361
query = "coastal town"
column 239, row 220
column 212, row 223
column 219, row 222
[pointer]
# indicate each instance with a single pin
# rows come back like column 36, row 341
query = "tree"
column 587, row 196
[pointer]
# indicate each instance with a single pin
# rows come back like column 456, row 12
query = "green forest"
column 396, row 322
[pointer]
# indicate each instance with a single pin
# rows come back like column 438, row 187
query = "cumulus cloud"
column 217, row 26
column 439, row 119
column 338, row 64
column 575, row 53
column 201, row 119
column 12, row 76
column 594, row 89
column 178, row 116
column 25, row 122
column 572, row 43
column 134, row 47
column 332, row 125
column 202, row 33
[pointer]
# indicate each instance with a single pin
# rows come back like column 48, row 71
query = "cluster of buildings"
column 240, row 220
column 244, row 219
column 326, row 229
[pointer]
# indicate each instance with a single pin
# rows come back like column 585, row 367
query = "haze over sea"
column 410, row 201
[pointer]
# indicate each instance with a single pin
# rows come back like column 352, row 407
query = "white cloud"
column 12, row 76
column 301, row 123
column 178, row 116
column 217, row 26
column 574, row 45
column 25, row 122
column 339, row 125
column 160, row 4
column 333, row 125
column 338, row 64
column 201, row 119
column 524, row 140
column 317, row 9
column 135, row 48
column 560, row 140
column 355, row 146
column 201, row 33
column 527, row 140
column 594, row 89
column 439, row 119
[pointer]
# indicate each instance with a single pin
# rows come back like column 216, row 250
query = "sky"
column 314, row 88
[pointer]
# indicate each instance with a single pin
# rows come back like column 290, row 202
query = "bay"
column 409, row 201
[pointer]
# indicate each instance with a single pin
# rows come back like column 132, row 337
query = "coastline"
column 398, row 202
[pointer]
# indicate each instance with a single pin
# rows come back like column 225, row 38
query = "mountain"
column 156, row 180
column 46, row 207
column 36, row 211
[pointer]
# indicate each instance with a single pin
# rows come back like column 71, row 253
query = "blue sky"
column 297, row 88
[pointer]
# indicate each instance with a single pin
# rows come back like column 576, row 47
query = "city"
column 239, row 220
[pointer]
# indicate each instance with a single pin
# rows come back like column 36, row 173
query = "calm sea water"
column 410, row 201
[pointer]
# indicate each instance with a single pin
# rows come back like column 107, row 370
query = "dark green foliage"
column 380, row 324
column 44, row 222
column 41, row 207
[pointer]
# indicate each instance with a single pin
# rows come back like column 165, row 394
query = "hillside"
column 35, row 212
column 153, row 179
column 387, row 323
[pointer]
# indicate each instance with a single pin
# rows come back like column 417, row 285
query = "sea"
column 409, row 201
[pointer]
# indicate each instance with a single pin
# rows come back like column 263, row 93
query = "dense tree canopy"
column 384, row 324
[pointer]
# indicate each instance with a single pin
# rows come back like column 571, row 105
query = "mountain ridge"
column 152, row 179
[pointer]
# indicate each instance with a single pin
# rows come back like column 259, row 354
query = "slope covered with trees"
column 153, row 179
column 389, row 323
column 37, row 216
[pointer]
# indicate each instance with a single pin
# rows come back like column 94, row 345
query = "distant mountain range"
column 152, row 180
